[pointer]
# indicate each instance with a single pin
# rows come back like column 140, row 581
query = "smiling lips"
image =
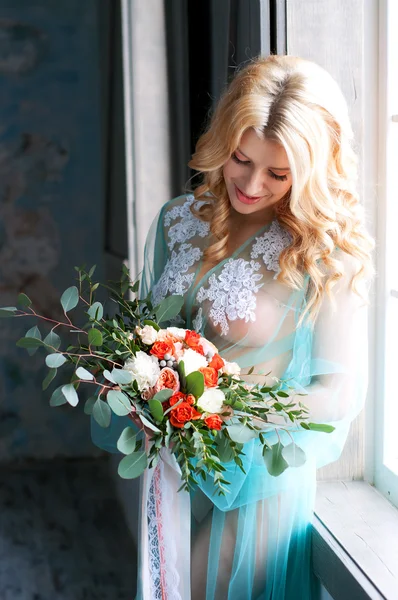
column 246, row 199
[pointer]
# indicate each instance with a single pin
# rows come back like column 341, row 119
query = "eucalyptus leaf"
column 156, row 409
column 24, row 300
column 70, row 298
column 163, row 395
column 95, row 337
column 127, row 441
column 55, row 360
column 321, row 427
column 89, row 404
column 102, row 413
column 7, row 311
column 118, row 402
column 149, row 424
column 294, row 455
column 48, row 379
column 122, row 376
column 133, row 465
column 57, row 398
column 223, row 447
column 195, row 384
column 29, row 343
column 181, row 373
column 108, row 376
column 169, row 308
column 70, row 394
column 82, row 373
column 53, row 340
column 152, row 324
column 96, row 311
column 274, row 460
column 240, row 433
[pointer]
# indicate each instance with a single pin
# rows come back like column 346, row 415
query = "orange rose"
column 192, row 340
column 176, row 398
column 168, row 379
column 210, row 375
column 214, row 422
column 216, row 362
column 191, row 399
column 159, row 349
column 183, row 413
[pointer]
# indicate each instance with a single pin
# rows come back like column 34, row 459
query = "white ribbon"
column 165, row 536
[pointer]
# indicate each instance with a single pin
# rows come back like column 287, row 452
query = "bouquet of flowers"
column 170, row 382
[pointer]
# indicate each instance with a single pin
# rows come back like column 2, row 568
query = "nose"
column 255, row 183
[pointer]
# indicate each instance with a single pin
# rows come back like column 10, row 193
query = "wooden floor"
column 63, row 535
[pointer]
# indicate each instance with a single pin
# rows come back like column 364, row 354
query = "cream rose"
column 211, row 400
column 148, row 334
column 177, row 332
column 145, row 370
column 231, row 368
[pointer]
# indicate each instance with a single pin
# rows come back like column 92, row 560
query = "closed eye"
column 247, row 162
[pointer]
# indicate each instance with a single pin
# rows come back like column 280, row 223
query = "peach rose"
column 213, row 422
column 216, row 362
column 176, row 398
column 168, row 379
column 159, row 349
column 210, row 375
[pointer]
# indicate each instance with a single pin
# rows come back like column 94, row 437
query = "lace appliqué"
column 232, row 293
column 270, row 246
column 197, row 322
column 162, row 555
column 175, row 279
column 187, row 227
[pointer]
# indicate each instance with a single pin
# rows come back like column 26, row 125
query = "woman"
column 273, row 261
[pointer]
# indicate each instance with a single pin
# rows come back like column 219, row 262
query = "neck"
column 257, row 219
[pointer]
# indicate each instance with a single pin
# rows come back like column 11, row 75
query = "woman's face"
column 257, row 175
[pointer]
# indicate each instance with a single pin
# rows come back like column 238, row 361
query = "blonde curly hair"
column 298, row 104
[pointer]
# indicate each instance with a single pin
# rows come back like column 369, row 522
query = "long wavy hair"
column 298, row 104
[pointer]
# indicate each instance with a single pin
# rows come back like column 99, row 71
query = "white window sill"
column 355, row 542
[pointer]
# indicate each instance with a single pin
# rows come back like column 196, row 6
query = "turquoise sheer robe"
column 254, row 543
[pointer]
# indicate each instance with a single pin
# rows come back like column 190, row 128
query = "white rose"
column 148, row 334
column 212, row 400
column 177, row 332
column 231, row 368
column 144, row 368
column 193, row 361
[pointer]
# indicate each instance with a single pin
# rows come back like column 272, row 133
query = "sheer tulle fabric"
column 254, row 543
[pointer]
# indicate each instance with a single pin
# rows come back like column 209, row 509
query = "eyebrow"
column 273, row 168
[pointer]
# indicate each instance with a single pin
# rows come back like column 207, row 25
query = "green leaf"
column 96, row 311
column 321, row 427
column 95, row 337
column 163, row 395
column 70, row 394
column 57, row 398
column 118, row 402
column 294, row 455
column 274, row 460
column 156, row 409
column 240, row 433
column 169, row 307
column 49, row 377
column 108, row 376
column 70, row 298
column 53, row 340
column 24, row 300
column 282, row 394
column 127, row 441
column 195, row 384
column 34, row 332
column 122, row 376
column 181, row 373
column 224, row 449
column 55, row 360
column 29, row 342
column 7, row 311
column 152, row 324
column 89, row 404
column 91, row 271
column 133, row 465
column 102, row 413
column 82, row 373
column 148, row 424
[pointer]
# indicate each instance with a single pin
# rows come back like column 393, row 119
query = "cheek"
column 231, row 170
